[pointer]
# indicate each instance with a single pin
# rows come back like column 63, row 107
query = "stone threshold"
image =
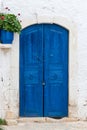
column 20, row 121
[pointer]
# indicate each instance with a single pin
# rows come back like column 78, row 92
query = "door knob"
column 43, row 83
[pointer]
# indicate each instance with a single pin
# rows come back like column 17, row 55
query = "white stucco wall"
column 75, row 13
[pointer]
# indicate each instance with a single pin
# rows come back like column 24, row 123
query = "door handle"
column 43, row 83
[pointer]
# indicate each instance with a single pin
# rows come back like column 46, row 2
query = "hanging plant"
column 9, row 24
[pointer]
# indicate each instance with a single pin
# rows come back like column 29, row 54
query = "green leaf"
column 10, row 23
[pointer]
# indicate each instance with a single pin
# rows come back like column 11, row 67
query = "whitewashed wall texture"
column 70, row 14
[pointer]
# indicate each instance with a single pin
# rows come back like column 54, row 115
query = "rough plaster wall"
column 9, row 87
column 4, row 80
column 76, row 11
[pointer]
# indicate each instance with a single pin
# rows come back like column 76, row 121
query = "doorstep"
column 20, row 121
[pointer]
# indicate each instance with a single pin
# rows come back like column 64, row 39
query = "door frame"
column 72, row 60
column 73, row 65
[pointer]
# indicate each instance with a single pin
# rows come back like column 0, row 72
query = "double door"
column 44, row 71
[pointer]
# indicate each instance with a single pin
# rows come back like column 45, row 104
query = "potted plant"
column 9, row 25
column 1, row 22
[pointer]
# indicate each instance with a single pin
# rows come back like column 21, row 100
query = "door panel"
column 56, row 71
column 32, row 48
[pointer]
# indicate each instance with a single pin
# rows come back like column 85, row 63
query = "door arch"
column 44, row 71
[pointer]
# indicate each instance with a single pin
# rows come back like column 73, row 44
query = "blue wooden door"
column 44, row 71
column 31, row 92
column 55, row 71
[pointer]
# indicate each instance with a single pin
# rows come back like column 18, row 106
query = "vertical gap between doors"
column 43, row 64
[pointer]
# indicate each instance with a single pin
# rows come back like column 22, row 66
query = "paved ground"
column 58, row 125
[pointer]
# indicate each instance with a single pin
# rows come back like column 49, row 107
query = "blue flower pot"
column 6, row 37
column 0, row 35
